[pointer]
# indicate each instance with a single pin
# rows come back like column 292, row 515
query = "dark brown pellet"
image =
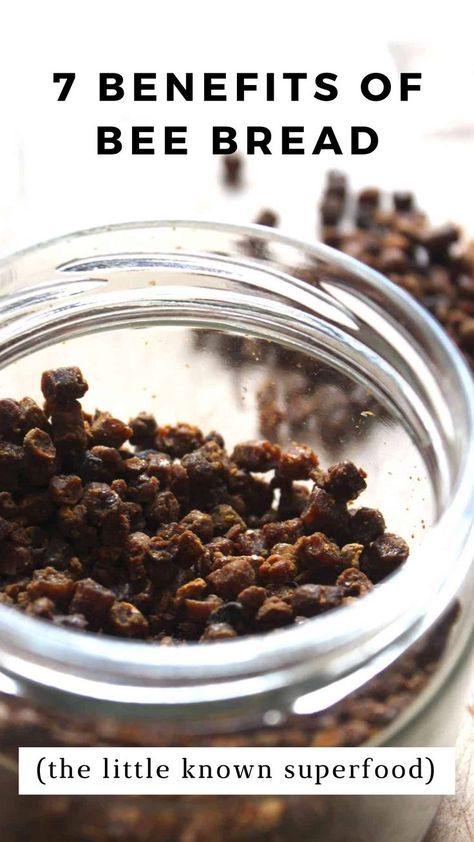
column 258, row 456
column 323, row 514
column 403, row 201
column 92, row 600
column 179, row 440
column 11, row 463
column 69, row 432
column 66, row 489
column 232, row 170
column 63, row 385
column 353, row 582
column 273, row 614
column 229, row 580
column 39, row 457
column 297, row 462
column 10, row 419
column 316, row 551
column 309, row 600
column 50, row 583
column 231, row 613
column 144, row 428
column 345, row 482
column 268, row 218
column 127, row 621
column 109, row 431
column 384, row 555
column 366, row 525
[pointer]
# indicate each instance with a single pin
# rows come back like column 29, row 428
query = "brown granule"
column 232, row 170
column 268, row 218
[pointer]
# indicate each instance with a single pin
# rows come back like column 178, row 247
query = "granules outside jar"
column 216, row 325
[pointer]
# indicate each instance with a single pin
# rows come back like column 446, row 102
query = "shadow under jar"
column 247, row 332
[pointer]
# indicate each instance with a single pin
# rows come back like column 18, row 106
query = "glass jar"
column 248, row 332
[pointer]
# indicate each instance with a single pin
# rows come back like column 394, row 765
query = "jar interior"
column 234, row 382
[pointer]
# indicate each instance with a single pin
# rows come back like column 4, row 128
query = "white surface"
column 236, row 771
column 53, row 181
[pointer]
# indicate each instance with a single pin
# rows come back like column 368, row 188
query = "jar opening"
column 182, row 277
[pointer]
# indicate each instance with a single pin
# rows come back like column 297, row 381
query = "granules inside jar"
column 157, row 532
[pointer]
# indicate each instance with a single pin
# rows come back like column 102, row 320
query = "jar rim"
column 108, row 670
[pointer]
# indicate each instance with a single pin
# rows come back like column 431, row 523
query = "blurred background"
column 52, row 180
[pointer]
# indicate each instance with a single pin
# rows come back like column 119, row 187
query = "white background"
column 437, row 771
column 53, row 181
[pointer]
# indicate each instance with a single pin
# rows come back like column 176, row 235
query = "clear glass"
column 248, row 332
